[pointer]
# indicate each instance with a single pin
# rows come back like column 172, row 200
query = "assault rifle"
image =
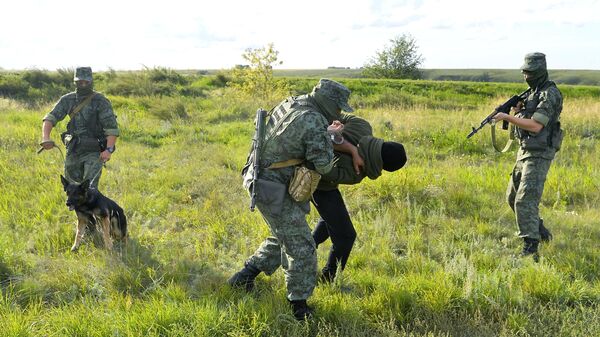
column 505, row 107
column 257, row 144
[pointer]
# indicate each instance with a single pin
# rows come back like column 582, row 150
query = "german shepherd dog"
column 93, row 208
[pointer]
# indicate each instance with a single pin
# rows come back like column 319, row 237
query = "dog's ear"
column 64, row 181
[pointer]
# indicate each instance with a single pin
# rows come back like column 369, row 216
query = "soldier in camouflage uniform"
column 295, row 129
column 91, row 133
column 537, row 127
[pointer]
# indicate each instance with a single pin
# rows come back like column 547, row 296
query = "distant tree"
column 256, row 79
column 399, row 60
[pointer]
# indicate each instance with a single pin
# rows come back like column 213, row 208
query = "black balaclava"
column 84, row 91
column 393, row 156
column 537, row 78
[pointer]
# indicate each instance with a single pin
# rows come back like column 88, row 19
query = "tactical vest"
column 550, row 136
column 90, row 137
column 280, row 117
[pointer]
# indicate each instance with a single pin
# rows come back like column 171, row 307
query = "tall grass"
column 435, row 254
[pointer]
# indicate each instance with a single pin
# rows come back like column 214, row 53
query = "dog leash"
column 63, row 156
column 54, row 146
column 97, row 174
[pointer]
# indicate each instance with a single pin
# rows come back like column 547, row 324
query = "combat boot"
column 244, row 278
column 545, row 235
column 530, row 248
column 301, row 310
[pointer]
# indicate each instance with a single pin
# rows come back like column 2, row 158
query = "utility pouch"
column 269, row 196
column 303, row 183
column 537, row 142
column 557, row 137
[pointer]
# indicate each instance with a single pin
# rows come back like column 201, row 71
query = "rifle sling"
column 511, row 138
column 81, row 105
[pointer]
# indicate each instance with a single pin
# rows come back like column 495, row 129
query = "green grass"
column 561, row 76
column 435, row 254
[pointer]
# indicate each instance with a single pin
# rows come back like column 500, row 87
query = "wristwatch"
column 111, row 149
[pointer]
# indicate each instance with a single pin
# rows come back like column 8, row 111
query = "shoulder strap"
column 81, row 105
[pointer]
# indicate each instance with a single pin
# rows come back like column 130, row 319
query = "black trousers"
column 334, row 223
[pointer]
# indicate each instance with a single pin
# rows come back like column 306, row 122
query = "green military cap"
column 334, row 91
column 83, row 74
column 534, row 62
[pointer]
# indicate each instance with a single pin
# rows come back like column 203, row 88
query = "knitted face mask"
column 84, row 89
column 535, row 79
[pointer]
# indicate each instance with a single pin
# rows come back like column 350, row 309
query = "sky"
column 309, row 34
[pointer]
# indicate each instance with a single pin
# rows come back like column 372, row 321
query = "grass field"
column 574, row 77
column 436, row 248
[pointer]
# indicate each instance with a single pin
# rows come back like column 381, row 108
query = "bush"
column 37, row 78
column 13, row 86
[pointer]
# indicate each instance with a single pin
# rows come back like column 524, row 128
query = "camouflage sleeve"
column 342, row 171
column 59, row 112
column 549, row 106
column 107, row 118
column 319, row 149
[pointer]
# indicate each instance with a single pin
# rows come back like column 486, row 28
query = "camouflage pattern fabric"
column 95, row 120
column 83, row 74
column 335, row 92
column 524, row 193
column 98, row 113
column 547, row 105
column 79, row 167
column 291, row 246
column 302, row 134
column 295, row 130
column 534, row 62
column 535, row 154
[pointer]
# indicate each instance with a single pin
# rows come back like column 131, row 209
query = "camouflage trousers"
column 82, row 166
column 524, row 194
column 291, row 246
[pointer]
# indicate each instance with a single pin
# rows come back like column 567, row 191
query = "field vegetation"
column 436, row 248
column 573, row 77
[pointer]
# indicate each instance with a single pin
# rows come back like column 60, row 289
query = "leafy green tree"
column 398, row 60
column 256, row 79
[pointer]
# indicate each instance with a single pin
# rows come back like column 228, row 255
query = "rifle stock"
column 257, row 143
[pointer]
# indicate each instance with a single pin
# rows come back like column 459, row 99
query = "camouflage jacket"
column 543, row 105
column 95, row 120
column 296, row 129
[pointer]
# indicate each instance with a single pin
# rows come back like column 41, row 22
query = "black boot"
column 245, row 277
column 545, row 235
column 530, row 247
column 301, row 310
